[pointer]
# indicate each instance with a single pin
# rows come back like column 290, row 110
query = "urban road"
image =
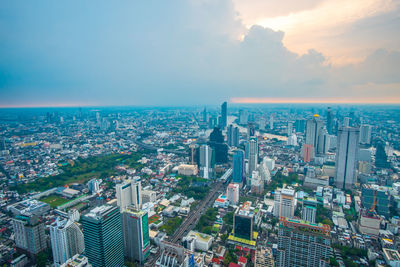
column 191, row 220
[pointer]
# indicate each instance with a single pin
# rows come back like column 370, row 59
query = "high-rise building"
column 323, row 142
column 224, row 115
column 271, row 122
column 284, row 202
column 232, row 193
column 300, row 126
column 129, row 193
column 233, row 136
column 238, row 167
column 29, row 234
column 253, row 154
column 94, row 185
column 302, row 243
column 374, row 197
column 2, row 144
column 329, row 121
column 307, row 152
column 251, row 130
column 346, row 157
column 289, row 128
column 66, row 240
column 102, row 229
column 136, row 234
column 243, row 117
column 346, row 122
column 217, row 143
column 314, row 126
column 243, row 221
column 207, row 162
column 205, row 115
column 309, row 211
column 381, row 156
column 365, row 134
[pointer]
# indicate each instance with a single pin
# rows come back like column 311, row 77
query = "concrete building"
column 129, row 193
column 302, row 243
column 207, row 162
column 149, row 196
column 284, row 202
column 29, row 234
column 102, row 229
column 232, row 193
column 392, row 257
column 77, row 261
column 309, row 211
column 136, row 234
column 203, row 242
column 346, row 157
column 66, row 240
column 173, row 255
column 365, row 134
column 188, row 170
column 264, row 258
column 253, row 155
column 238, row 173
column 243, row 222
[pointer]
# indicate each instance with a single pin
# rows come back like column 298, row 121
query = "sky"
column 197, row 52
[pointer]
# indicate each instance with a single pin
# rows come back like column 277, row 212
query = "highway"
column 151, row 147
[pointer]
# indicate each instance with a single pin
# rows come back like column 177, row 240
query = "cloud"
column 180, row 52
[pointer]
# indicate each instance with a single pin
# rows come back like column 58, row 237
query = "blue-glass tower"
column 238, row 167
column 102, row 229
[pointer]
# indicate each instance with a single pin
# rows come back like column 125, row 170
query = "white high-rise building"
column 243, row 116
column 313, row 128
column 289, row 129
column 271, row 122
column 94, row 185
column 284, row 202
column 232, row 193
column 207, row 161
column 323, row 142
column 347, row 157
column 253, row 154
column 365, row 134
column 66, row 240
column 129, row 193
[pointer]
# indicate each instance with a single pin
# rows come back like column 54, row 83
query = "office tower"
column 346, row 157
column 262, row 123
column 289, row 128
column 323, row 142
column 233, row 136
column 193, row 153
column 238, row 167
column 346, row 122
column 206, row 162
column 300, row 126
column 313, row 128
column 205, row 115
column 217, row 143
column 243, row 221
column 129, row 193
column 136, row 234
column 102, row 229
column 66, row 240
column 309, row 211
column 94, row 186
column 224, row 115
column 329, row 121
column 251, row 130
column 263, row 170
column 303, row 244
column 381, row 156
column 284, row 202
column 243, row 117
column 212, row 122
column 271, row 122
column 365, row 134
column 29, row 234
column 375, row 198
column 253, row 154
column 232, row 193
column 257, row 183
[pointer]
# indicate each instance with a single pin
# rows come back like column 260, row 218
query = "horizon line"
column 333, row 100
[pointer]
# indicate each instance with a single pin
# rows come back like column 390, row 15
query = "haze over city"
column 159, row 53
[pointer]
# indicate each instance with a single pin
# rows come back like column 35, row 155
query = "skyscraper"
column 233, row 136
column 313, row 127
column 253, row 154
column 284, row 204
column 207, row 162
column 136, row 234
column 29, row 234
column 300, row 126
column 346, row 157
column 232, row 193
column 365, row 134
column 238, row 167
column 289, row 128
column 224, row 115
column 243, row 117
column 329, row 120
column 205, row 115
column 102, row 229
column 309, row 211
column 323, row 142
column 251, row 130
column 243, row 221
column 217, row 143
column 271, row 122
column 303, row 244
column 380, row 155
column 129, row 193
column 66, row 240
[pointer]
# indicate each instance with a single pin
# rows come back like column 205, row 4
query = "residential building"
column 309, row 211
column 29, row 234
column 129, row 193
column 284, row 202
column 232, row 193
column 207, row 162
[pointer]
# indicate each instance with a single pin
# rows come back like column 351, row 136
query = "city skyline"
column 197, row 52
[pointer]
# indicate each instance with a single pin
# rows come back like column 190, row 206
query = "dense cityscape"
column 229, row 185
